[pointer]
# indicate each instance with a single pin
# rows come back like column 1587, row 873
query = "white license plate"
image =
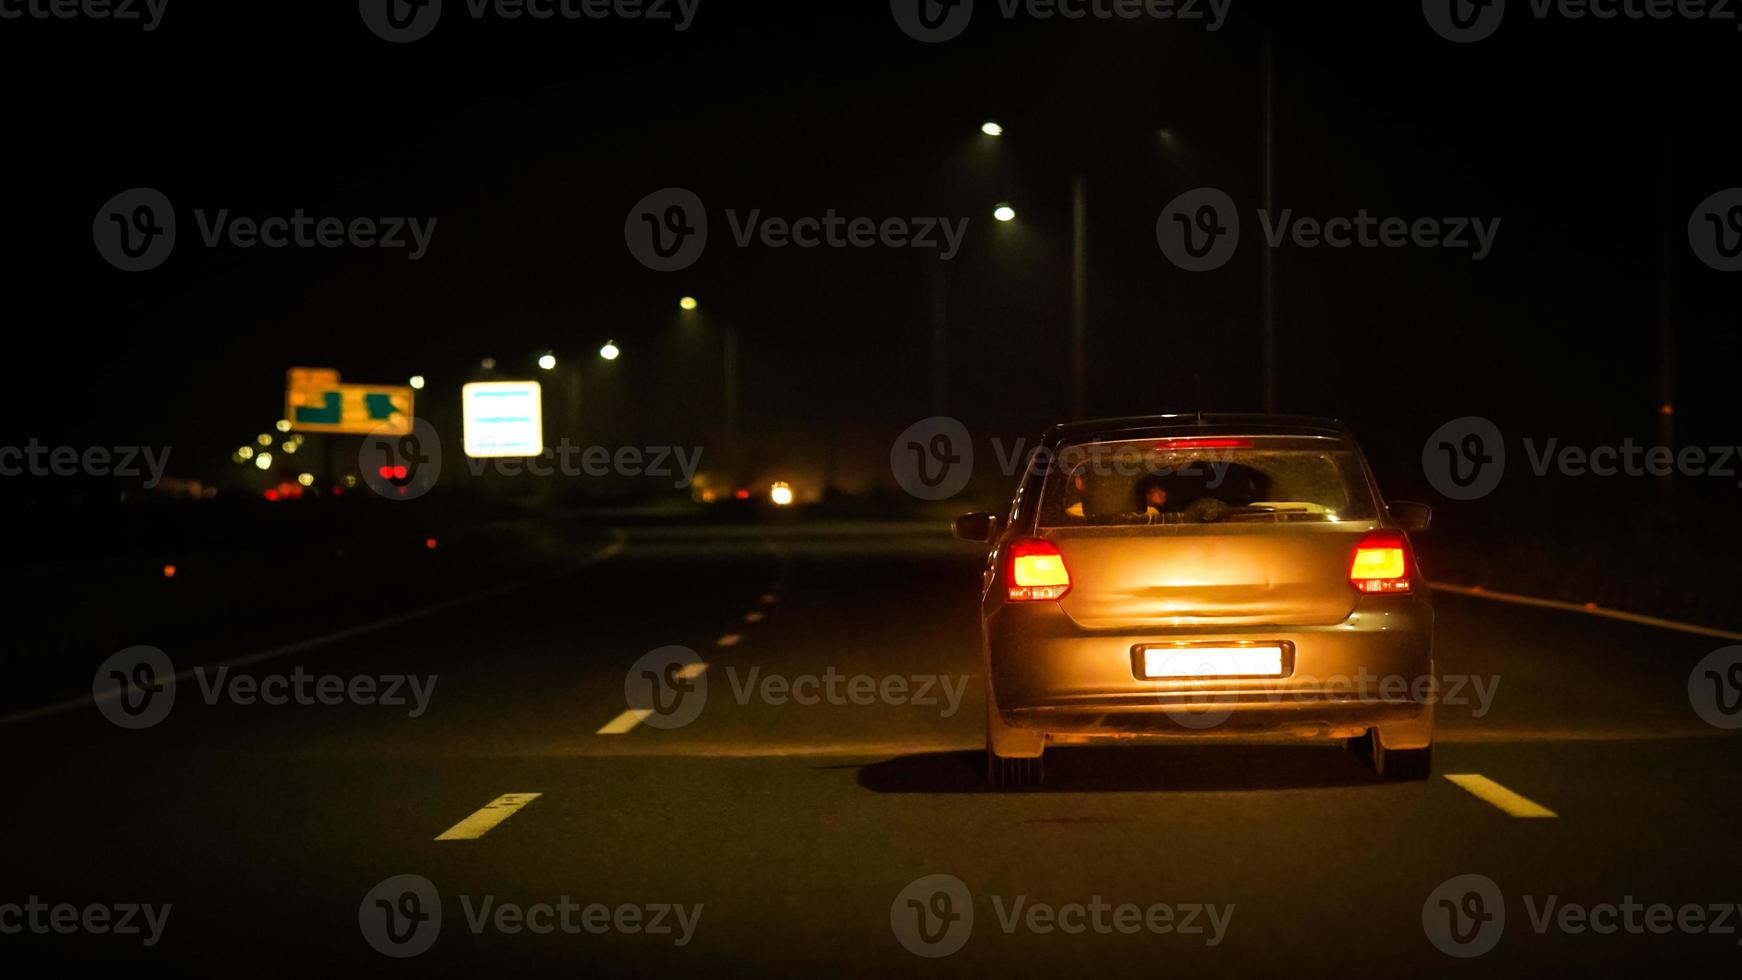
column 1182, row 662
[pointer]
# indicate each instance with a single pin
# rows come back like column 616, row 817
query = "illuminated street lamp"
column 991, row 128
column 688, row 304
column 1079, row 269
column 610, row 352
column 417, row 381
column 548, row 362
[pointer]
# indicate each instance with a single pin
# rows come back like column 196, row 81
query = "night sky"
column 530, row 141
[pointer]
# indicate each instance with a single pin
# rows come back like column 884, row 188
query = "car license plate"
column 1208, row 661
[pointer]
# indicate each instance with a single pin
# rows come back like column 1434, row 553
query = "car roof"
column 1200, row 424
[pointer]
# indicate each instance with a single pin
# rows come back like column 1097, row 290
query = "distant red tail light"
column 1381, row 563
column 1036, row 571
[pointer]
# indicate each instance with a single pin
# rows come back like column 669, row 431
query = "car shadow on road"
column 1135, row 769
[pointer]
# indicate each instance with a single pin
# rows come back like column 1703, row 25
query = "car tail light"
column 1381, row 563
column 1037, row 571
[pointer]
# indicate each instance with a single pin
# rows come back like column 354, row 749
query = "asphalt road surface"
column 821, row 805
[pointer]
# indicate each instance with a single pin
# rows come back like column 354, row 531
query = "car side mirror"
column 1411, row 516
column 977, row 527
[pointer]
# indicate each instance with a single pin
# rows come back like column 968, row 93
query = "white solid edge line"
column 273, row 653
column 1525, row 600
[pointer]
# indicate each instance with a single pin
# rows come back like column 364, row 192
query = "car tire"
column 1361, row 745
column 1398, row 765
column 1392, row 765
column 1003, row 773
column 1022, row 769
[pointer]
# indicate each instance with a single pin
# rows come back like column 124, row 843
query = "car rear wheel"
column 1022, row 767
column 1361, row 745
column 1392, row 765
column 1005, row 773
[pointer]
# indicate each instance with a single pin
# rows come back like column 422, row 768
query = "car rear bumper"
column 1373, row 669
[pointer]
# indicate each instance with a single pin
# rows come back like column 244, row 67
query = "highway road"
column 811, row 799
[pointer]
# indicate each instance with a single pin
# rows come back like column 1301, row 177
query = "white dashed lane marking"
column 1489, row 791
column 485, row 820
column 624, row 723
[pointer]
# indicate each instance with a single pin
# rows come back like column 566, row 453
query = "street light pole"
column 1079, row 297
column 1668, row 242
column 730, row 340
column 574, row 401
column 1269, row 254
column 940, row 372
column 728, row 377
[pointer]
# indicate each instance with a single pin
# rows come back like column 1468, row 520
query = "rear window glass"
column 1156, row 482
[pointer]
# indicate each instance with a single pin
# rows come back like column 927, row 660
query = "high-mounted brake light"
column 1036, row 571
column 1204, row 444
column 1381, row 563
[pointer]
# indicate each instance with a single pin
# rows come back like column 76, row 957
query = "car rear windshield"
column 1164, row 482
